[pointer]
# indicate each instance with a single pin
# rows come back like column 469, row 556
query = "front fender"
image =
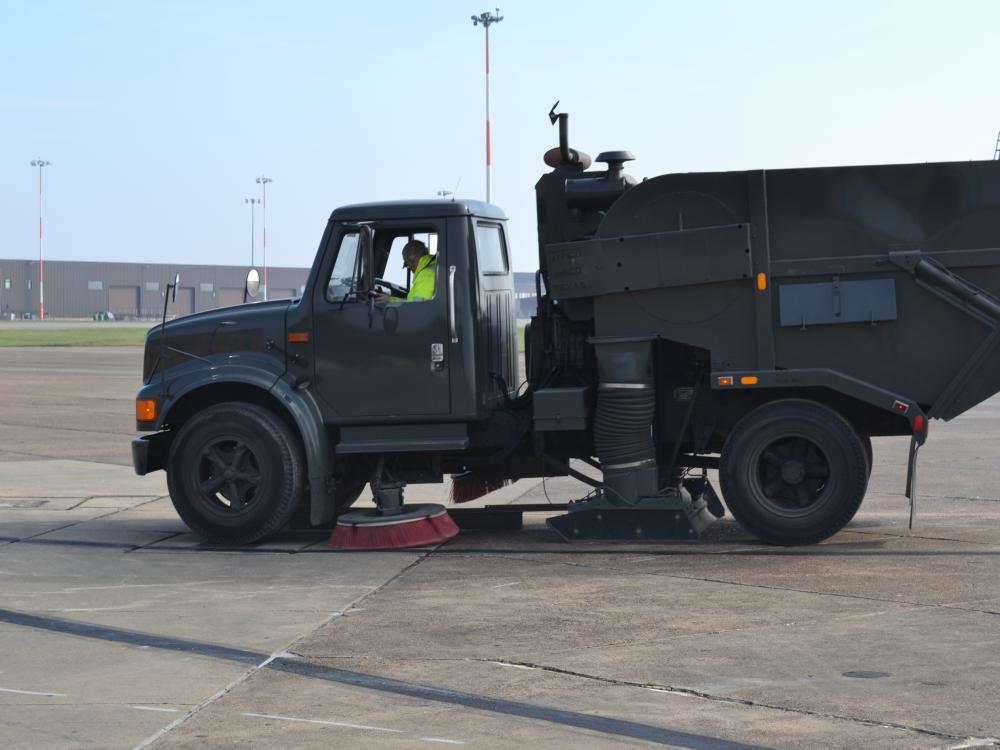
column 300, row 405
column 182, row 381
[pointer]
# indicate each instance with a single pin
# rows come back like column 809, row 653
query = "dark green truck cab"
column 327, row 382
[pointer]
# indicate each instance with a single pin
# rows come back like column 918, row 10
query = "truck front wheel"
column 235, row 473
column 793, row 472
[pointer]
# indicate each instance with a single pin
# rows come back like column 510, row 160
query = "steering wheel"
column 395, row 289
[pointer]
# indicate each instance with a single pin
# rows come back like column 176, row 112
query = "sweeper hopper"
column 753, row 304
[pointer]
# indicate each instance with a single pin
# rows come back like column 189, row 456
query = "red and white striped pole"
column 488, row 19
column 41, row 262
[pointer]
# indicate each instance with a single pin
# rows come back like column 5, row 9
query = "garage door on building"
column 123, row 301
column 229, row 297
column 183, row 304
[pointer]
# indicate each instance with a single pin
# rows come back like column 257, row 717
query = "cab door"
column 377, row 361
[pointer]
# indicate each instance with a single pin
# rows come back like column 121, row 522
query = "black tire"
column 235, row 473
column 793, row 472
column 353, row 484
column 350, row 483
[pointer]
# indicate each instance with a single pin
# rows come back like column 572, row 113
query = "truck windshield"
column 344, row 279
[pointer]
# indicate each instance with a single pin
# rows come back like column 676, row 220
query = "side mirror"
column 368, row 281
column 177, row 283
column 252, row 285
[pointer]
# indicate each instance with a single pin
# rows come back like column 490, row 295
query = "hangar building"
column 79, row 289
column 75, row 289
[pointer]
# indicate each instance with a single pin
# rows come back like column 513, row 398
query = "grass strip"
column 72, row 337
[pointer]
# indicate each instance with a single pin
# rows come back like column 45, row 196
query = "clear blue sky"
column 157, row 116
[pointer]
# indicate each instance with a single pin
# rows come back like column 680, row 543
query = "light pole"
column 262, row 181
column 41, row 263
column 487, row 19
column 253, row 226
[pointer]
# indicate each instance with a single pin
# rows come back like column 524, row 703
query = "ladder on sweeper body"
column 996, row 151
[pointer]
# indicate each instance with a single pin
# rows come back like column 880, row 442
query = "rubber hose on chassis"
column 622, row 425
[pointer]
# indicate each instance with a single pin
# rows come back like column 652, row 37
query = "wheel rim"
column 791, row 474
column 229, row 478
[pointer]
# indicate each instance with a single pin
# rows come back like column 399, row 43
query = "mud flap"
column 911, row 477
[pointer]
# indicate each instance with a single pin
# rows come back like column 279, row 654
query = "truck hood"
column 215, row 335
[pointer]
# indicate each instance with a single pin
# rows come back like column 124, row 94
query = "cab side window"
column 394, row 271
column 490, row 248
column 345, row 282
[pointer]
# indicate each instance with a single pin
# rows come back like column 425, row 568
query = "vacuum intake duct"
column 623, row 422
column 622, row 425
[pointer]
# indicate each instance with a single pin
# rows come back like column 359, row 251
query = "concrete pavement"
column 119, row 629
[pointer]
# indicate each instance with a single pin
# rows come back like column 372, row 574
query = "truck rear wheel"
column 793, row 472
column 235, row 473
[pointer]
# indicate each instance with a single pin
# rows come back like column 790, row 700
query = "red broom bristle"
column 471, row 487
column 419, row 532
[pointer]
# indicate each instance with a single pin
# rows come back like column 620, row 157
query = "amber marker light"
column 748, row 380
column 145, row 409
column 762, row 282
column 726, row 380
column 298, row 337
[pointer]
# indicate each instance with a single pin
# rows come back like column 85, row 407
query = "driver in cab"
column 418, row 260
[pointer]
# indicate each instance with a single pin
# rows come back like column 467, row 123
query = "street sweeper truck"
column 762, row 324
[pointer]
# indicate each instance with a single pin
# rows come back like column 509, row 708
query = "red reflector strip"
column 298, row 337
column 918, row 423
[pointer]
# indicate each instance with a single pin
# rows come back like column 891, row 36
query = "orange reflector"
column 145, row 409
column 918, row 424
column 748, row 380
column 298, row 337
column 761, row 282
column 726, row 380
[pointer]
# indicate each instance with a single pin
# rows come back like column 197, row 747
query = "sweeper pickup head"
column 417, row 525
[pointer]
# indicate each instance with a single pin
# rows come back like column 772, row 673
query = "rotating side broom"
column 392, row 525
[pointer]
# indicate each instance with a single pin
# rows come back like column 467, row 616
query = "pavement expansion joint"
column 147, row 545
column 61, row 428
column 285, row 655
column 702, row 634
column 838, row 594
column 62, row 457
column 702, row 695
column 71, row 524
column 635, row 571
column 925, row 538
column 967, row 498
